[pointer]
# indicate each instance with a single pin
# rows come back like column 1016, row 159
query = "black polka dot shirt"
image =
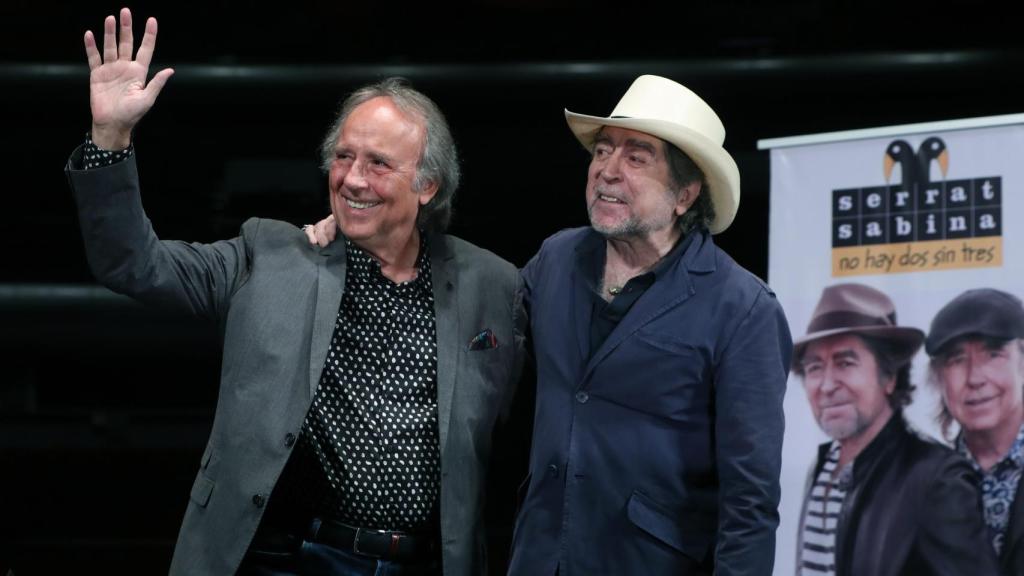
column 369, row 453
column 93, row 157
column 371, row 432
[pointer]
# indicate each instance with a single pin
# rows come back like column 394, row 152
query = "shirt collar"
column 594, row 248
column 362, row 265
column 1014, row 458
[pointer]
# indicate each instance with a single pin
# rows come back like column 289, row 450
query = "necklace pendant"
column 614, row 290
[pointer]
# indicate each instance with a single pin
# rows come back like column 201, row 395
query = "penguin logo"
column 915, row 168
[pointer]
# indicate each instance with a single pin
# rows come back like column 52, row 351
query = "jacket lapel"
column 330, row 286
column 580, row 299
column 667, row 292
column 444, row 275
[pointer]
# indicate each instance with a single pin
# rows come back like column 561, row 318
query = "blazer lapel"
column 581, row 308
column 667, row 292
column 444, row 276
column 330, row 286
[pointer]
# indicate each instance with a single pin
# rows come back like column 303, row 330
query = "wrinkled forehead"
column 383, row 119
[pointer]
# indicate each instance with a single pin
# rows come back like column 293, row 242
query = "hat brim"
column 720, row 171
column 906, row 341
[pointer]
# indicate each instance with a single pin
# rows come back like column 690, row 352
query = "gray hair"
column 684, row 171
column 439, row 161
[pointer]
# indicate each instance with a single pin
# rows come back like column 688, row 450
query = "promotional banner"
column 914, row 220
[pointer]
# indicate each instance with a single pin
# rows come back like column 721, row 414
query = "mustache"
column 833, row 402
column 603, row 190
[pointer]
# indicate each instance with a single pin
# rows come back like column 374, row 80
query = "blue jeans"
column 312, row 559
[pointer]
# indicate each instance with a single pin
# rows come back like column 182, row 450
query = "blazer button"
column 259, row 500
column 289, row 440
column 582, row 397
column 553, row 470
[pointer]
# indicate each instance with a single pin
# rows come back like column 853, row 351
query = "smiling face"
column 372, row 174
column 982, row 383
column 846, row 392
column 629, row 190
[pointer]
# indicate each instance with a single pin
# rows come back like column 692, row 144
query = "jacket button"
column 259, row 500
column 553, row 470
column 582, row 397
column 289, row 440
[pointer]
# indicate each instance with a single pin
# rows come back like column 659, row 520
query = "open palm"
column 118, row 92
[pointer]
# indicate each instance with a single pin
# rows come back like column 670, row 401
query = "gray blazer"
column 276, row 300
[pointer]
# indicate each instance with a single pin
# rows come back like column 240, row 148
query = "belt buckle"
column 355, row 543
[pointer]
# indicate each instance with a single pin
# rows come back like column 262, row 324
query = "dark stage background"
column 105, row 406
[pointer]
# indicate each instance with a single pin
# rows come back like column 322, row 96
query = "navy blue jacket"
column 659, row 454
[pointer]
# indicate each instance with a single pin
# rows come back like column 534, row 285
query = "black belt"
column 389, row 545
column 383, row 544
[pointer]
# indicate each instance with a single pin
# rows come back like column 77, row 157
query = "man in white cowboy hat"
column 661, row 363
column 881, row 500
column 976, row 346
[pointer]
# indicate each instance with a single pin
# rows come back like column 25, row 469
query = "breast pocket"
column 665, row 375
column 482, row 384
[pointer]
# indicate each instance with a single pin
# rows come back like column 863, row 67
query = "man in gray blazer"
column 361, row 383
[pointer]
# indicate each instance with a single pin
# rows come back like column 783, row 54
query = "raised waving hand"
column 119, row 95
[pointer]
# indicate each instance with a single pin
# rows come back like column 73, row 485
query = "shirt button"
column 259, row 500
column 553, row 470
column 289, row 440
column 582, row 397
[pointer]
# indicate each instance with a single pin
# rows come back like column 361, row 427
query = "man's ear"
column 687, row 196
column 427, row 193
column 889, row 385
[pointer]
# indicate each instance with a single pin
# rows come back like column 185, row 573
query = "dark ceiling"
column 256, row 83
column 222, row 31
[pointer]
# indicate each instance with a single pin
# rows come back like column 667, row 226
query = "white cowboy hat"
column 663, row 108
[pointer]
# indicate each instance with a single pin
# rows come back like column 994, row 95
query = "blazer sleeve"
column 520, row 322
column 125, row 255
column 750, row 383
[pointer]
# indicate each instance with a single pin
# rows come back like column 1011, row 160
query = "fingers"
column 157, row 83
column 326, row 230
column 310, row 233
column 109, row 40
column 113, row 48
column 322, row 233
column 321, row 238
column 124, row 48
column 145, row 54
column 91, row 53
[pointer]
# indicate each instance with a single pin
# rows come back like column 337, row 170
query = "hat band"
column 846, row 319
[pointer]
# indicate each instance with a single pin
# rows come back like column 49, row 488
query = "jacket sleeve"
column 126, row 256
column 519, row 322
column 510, row 445
column 750, row 383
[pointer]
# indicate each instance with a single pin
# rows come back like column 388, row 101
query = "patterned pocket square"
column 485, row 340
